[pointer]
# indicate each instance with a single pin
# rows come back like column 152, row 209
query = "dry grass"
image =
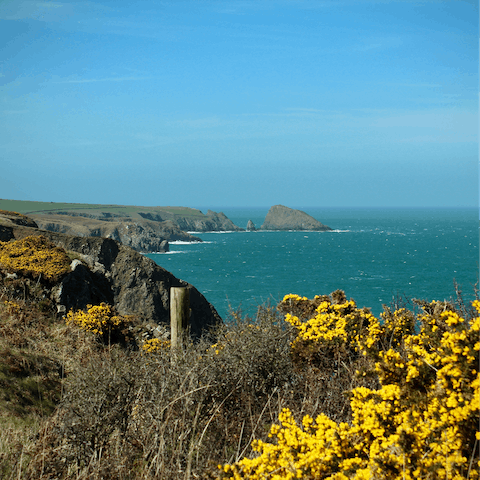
column 111, row 412
column 127, row 414
column 37, row 351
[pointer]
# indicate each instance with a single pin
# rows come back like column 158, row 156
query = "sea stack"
column 280, row 217
column 250, row 226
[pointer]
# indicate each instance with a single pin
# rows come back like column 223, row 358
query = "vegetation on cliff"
column 16, row 218
column 35, row 256
column 101, row 320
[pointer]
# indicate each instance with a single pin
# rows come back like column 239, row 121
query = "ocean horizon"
column 374, row 254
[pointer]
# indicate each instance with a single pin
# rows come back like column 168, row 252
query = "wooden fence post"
column 179, row 314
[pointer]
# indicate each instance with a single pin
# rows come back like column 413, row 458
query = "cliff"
column 141, row 235
column 145, row 229
column 107, row 271
column 284, row 218
column 211, row 222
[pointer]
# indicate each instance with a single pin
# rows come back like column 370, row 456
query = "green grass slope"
column 32, row 207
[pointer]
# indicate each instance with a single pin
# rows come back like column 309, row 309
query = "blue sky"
column 240, row 102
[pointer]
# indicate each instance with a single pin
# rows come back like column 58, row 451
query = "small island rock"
column 280, row 217
column 250, row 226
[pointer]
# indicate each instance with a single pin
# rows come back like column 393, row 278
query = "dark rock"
column 5, row 233
column 81, row 288
column 117, row 274
column 284, row 218
column 164, row 246
column 9, row 218
column 250, row 226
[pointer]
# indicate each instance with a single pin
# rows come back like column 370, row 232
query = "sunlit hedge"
column 421, row 423
column 34, row 256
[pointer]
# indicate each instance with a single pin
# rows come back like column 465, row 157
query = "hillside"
column 104, row 271
column 145, row 229
column 188, row 219
column 96, row 210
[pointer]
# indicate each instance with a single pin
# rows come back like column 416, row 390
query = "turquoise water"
column 372, row 254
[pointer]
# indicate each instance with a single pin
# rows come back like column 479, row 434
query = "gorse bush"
column 155, row 345
column 101, row 320
column 332, row 392
column 421, row 423
column 34, row 256
column 334, row 327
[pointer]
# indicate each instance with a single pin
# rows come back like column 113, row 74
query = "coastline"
column 372, row 255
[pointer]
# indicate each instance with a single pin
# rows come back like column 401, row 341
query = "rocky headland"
column 104, row 270
column 280, row 217
column 194, row 220
column 141, row 235
column 145, row 229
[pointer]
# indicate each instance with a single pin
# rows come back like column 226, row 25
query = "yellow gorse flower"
column 155, row 345
column 35, row 256
column 13, row 308
column 98, row 319
column 421, row 423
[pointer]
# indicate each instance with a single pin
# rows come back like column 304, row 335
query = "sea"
column 376, row 255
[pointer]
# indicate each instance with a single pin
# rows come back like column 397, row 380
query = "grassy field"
column 30, row 207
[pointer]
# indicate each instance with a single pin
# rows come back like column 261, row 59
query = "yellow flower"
column 399, row 431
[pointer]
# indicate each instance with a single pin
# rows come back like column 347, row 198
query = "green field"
column 30, row 207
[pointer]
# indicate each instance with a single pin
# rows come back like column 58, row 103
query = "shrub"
column 34, row 256
column 13, row 214
column 101, row 320
column 12, row 307
column 409, row 412
column 326, row 351
column 421, row 423
column 155, row 345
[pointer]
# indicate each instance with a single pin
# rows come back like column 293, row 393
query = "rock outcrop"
column 107, row 271
column 284, row 218
column 13, row 218
column 141, row 235
column 145, row 231
column 251, row 226
column 213, row 222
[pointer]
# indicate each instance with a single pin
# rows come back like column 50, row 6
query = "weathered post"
column 179, row 314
